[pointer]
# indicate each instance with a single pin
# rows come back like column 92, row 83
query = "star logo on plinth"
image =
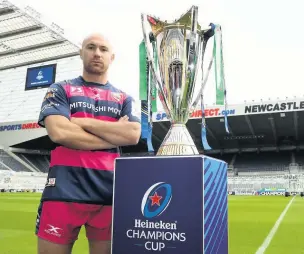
column 155, row 199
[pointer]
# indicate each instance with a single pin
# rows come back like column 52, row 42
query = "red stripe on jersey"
column 98, row 160
column 95, row 93
column 88, row 115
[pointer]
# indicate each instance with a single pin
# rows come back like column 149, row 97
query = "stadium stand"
column 10, row 163
column 299, row 158
column 270, row 161
column 39, row 162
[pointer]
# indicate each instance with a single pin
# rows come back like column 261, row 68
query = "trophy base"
column 178, row 141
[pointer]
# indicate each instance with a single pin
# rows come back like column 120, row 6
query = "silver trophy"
column 179, row 46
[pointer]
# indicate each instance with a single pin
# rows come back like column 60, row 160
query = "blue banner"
column 40, row 77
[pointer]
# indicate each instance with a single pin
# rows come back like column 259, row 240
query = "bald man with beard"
column 89, row 119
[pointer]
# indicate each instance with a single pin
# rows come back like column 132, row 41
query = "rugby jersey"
column 76, row 175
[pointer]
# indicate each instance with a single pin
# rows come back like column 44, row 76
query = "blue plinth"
column 170, row 205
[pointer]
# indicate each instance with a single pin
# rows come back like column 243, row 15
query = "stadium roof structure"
column 254, row 127
column 25, row 38
column 248, row 133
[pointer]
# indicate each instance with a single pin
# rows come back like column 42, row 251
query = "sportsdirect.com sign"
column 211, row 112
column 16, row 127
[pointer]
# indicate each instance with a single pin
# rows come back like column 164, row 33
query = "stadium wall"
column 19, row 109
column 272, row 185
column 11, row 181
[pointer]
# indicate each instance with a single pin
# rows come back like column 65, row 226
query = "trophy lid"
column 187, row 21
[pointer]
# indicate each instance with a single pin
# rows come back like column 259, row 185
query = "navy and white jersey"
column 76, row 175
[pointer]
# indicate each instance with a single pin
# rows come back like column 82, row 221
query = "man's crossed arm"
column 70, row 135
column 121, row 133
column 91, row 134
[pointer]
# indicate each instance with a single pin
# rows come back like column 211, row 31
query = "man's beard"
column 95, row 70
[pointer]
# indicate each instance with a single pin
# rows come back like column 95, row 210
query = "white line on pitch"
column 268, row 239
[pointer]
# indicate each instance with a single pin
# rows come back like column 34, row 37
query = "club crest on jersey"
column 50, row 182
column 77, row 91
column 49, row 94
column 116, row 96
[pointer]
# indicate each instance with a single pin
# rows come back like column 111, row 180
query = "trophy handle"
column 205, row 37
column 160, row 90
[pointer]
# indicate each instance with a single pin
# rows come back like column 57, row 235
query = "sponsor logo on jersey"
column 76, row 91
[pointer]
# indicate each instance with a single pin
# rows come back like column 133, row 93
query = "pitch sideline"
column 271, row 234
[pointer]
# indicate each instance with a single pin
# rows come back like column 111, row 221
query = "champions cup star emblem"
column 156, row 200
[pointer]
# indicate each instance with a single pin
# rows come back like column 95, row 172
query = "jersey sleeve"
column 131, row 110
column 55, row 102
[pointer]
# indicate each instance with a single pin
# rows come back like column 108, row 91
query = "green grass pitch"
column 250, row 220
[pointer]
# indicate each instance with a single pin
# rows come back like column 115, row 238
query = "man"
column 89, row 119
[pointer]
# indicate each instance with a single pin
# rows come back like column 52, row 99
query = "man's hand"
column 123, row 119
column 120, row 133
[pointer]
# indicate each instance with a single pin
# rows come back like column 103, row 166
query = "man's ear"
column 80, row 54
column 112, row 58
